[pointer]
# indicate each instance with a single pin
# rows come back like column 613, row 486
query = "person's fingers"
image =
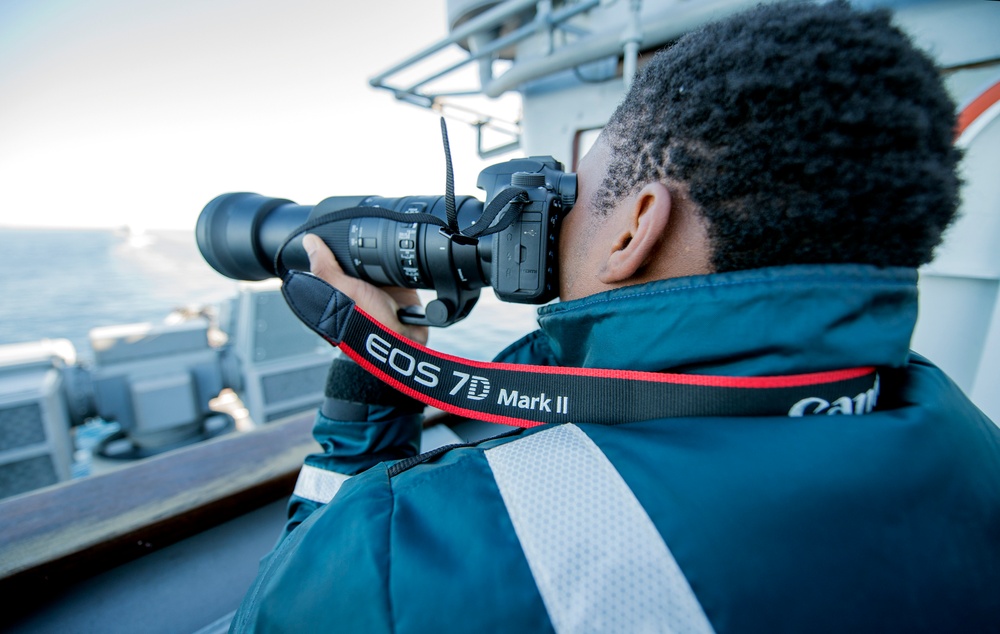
column 380, row 303
column 322, row 263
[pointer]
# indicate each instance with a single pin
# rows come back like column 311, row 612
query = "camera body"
column 524, row 263
column 240, row 234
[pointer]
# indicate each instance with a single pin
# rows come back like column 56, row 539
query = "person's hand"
column 380, row 303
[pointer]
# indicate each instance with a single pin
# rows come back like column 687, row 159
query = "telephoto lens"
column 411, row 242
column 239, row 236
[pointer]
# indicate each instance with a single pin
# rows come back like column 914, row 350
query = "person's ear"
column 646, row 220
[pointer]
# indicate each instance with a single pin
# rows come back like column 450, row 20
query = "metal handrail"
column 545, row 20
column 624, row 39
column 486, row 21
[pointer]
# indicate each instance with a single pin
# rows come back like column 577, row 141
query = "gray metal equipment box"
column 35, row 448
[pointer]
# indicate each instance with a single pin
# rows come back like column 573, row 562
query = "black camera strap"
column 526, row 396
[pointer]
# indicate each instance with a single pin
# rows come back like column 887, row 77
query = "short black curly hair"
column 804, row 133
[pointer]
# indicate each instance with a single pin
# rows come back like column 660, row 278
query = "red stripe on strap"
column 749, row 382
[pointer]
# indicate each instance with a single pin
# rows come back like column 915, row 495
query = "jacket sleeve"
column 361, row 423
column 332, row 573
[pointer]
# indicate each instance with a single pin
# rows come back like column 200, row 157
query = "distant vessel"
column 137, row 237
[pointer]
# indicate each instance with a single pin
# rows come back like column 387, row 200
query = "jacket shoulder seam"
column 406, row 464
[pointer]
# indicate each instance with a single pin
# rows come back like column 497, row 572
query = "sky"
column 115, row 112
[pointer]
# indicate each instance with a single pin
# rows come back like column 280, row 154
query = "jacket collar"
column 781, row 320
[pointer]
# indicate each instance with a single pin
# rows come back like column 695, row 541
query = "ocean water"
column 62, row 283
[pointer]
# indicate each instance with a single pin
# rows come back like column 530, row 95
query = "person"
column 756, row 206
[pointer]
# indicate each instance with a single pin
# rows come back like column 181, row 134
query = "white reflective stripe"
column 318, row 485
column 598, row 561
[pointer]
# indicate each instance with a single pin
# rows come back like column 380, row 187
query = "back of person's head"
column 802, row 133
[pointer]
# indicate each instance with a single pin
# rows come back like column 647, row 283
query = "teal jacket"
column 888, row 521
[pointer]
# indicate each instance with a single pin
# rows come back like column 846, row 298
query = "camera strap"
column 527, row 395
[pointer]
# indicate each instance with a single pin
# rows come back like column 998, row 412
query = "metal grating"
column 21, row 426
column 25, row 475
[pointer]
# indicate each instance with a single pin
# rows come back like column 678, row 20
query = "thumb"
column 311, row 244
column 322, row 263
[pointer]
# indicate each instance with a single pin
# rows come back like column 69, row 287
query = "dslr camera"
column 373, row 238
